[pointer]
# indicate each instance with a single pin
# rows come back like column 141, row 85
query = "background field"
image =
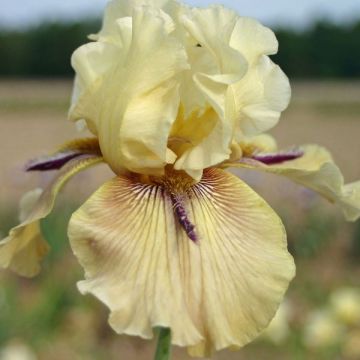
column 46, row 317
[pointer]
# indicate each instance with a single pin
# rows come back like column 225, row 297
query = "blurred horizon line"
column 280, row 23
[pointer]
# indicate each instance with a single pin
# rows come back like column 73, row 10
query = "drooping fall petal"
column 70, row 150
column 24, row 247
column 316, row 170
column 139, row 261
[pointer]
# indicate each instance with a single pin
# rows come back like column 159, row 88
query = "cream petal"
column 260, row 97
column 199, row 142
column 350, row 201
column 135, row 102
column 117, row 9
column 253, row 39
column 212, row 28
column 317, row 171
column 90, row 62
column 212, row 149
column 213, row 146
column 140, row 263
column 259, row 143
column 149, row 137
column 24, row 247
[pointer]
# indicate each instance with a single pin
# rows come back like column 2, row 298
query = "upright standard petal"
column 139, row 262
column 204, row 88
column 24, row 247
column 260, row 97
column 212, row 28
column 135, row 100
column 117, row 9
column 316, row 170
column 253, row 39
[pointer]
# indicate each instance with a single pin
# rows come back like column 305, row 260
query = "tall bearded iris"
column 173, row 97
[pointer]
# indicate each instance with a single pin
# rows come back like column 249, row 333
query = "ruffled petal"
column 253, row 39
column 24, row 247
column 212, row 28
column 117, row 9
column 260, row 97
column 140, row 263
column 90, row 62
column 135, row 100
column 316, row 170
column 214, row 66
column 204, row 143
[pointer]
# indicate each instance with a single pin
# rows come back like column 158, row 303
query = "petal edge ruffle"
column 140, row 263
column 317, row 171
column 24, row 247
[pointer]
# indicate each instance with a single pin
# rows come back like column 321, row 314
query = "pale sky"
column 17, row 13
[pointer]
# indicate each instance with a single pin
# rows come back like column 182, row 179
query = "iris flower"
column 173, row 97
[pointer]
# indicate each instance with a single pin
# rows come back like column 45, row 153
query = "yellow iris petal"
column 260, row 97
column 253, row 39
column 212, row 28
column 258, row 143
column 140, row 263
column 198, row 141
column 117, row 9
column 24, row 247
column 317, row 171
column 132, row 98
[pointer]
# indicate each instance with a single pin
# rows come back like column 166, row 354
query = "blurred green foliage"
column 324, row 50
column 43, row 51
column 355, row 244
column 311, row 236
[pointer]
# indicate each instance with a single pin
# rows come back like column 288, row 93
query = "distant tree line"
column 324, row 50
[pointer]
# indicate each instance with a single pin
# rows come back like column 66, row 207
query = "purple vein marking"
column 278, row 158
column 183, row 219
column 52, row 162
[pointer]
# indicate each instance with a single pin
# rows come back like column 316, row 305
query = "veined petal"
column 140, row 263
column 24, row 247
column 317, row 171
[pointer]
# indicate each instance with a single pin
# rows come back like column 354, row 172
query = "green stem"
column 163, row 345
